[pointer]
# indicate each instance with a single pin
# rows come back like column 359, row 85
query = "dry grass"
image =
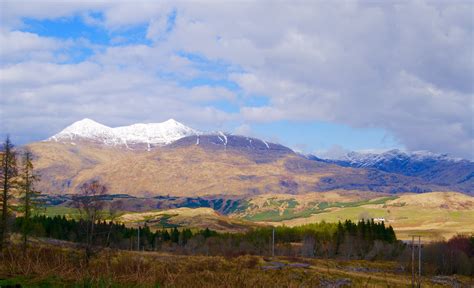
column 436, row 200
column 201, row 218
column 183, row 211
column 63, row 267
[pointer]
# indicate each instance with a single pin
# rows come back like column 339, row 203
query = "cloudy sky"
column 314, row 75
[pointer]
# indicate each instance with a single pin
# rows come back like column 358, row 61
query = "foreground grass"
column 46, row 266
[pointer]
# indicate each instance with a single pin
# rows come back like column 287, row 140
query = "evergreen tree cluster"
column 108, row 233
column 346, row 240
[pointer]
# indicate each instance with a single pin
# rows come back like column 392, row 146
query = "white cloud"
column 406, row 67
column 244, row 129
column 19, row 46
column 57, row 94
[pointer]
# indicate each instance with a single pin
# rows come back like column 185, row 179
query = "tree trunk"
column 26, row 217
column 6, row 180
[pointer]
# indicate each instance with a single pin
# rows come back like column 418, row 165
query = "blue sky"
column 312, row 76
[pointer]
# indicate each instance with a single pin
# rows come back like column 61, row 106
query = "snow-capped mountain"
column 152, row 134
column 395, row 156
column 438, row 169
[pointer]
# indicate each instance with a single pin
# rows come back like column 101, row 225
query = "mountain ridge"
column 197, row 164
column 439, row 169
column 151, row 134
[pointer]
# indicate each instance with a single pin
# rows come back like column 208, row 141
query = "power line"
column 414, row 277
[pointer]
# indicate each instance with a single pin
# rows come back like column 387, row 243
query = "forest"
column 348, row 239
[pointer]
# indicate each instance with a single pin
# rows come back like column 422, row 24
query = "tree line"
column 17, row 178
column 352, row 240
column 108, row 233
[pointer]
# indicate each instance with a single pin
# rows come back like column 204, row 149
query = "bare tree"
column 8, row 175
column 90, row 203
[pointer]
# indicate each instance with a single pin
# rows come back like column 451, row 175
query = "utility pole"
column 273, row 242
column 414, row 277
column 138, row 240
column 413, row 261
column 419, row 261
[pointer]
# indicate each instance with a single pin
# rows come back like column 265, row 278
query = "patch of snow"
column 370, row 159
column 197, row 140
column 225, row 138
column 266, row 144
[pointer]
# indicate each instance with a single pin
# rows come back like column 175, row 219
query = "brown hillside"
column 191, row 170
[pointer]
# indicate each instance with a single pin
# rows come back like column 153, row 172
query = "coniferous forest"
column 346, row 240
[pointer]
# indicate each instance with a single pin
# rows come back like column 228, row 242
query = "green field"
column 52, row 211
column 282, row 210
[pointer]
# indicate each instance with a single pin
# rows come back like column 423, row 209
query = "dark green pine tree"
column 340, row 234
column 175, row 235
column 8, row 178
column 390, row 235
column 206, row 233
column 184, row 236
column 165, row 236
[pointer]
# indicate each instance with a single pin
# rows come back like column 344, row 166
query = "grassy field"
column 64, row 267
column 52, row 211
column 281, row 210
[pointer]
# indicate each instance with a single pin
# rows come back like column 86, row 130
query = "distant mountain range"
column 438, row 169
column 170, row 158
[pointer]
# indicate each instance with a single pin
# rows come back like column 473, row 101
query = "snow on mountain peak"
column 369, row 159
column 150, row 134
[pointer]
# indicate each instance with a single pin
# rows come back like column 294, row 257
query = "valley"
column 153, row 144
column 170, row 175
column 185, row 192
column 435, row 215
